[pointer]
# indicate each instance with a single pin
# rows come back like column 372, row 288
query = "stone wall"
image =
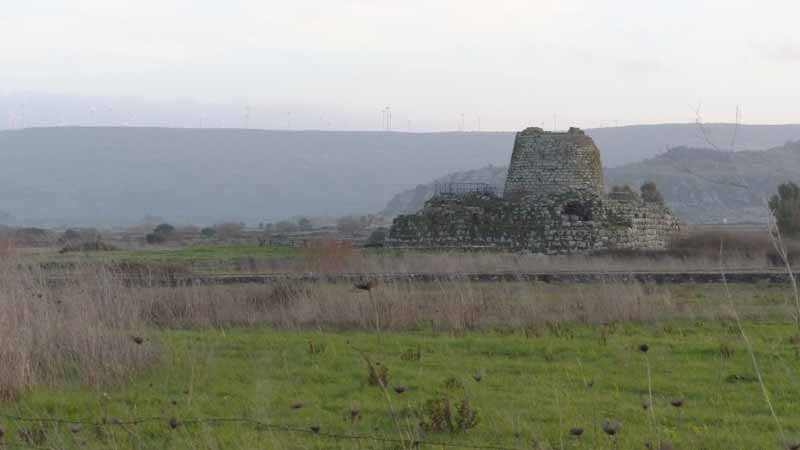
column 551, row 163
column 552, row 224
column 554, row 202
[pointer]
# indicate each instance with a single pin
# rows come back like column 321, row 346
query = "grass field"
column 198, row 257
column 698, row 251
column 98, row 362
column 209, row 252
column 535, row 385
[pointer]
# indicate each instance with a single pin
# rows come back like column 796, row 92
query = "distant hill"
column 700, row 185
column 119, row 175
column 710, row 186
column 629, row 144
column 103, row 176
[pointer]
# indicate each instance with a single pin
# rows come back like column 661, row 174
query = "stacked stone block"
column 553, row 163
column 554, row 203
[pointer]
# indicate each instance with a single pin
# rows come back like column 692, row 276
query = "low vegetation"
column 87, row 246
column 749, row 249
column 117, row 361
column 785, row 206
column 82, row 330
column 651, row 194
column 84, row 323
column 511, row 388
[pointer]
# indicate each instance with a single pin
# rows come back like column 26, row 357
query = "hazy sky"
column 339, row 62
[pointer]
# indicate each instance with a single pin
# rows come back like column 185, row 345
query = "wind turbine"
column 387, row 118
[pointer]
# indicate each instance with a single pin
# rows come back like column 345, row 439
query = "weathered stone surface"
column 553, row 163
column 550, row 224
column 554, row 203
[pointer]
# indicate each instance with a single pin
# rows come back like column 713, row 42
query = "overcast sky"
column 339, row 62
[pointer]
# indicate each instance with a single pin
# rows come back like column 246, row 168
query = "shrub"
column 73, row 235
column 650, row 193
column 785, row 206
column 377, row 373
column 160, row 234
column 466, row 416
column 377, row 237
column 438, row 415
column 155, row 238
column 164, row 229
column 88, row 246
column 208, row 232
column 411, row 354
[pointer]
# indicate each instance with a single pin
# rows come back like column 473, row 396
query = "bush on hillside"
column 650, row 193
column 88, row 246
column 785, row 206
column 72, row 235
column 161, row 234
column 164, row 229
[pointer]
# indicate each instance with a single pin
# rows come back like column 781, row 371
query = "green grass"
column 199, row 257
column 536, row 386
column 206, row 252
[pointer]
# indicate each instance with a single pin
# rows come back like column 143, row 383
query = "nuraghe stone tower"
column 553, row 163
column 554, row 202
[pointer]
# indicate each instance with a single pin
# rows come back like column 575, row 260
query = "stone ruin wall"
column 546, row 227
column 553, row 163
column 554, row 203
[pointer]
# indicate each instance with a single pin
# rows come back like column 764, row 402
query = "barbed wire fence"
column 173, row 423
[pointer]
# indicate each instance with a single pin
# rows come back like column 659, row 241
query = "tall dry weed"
column 80, row 329
column 445, row 306
column 81, row 324
column 329, row 255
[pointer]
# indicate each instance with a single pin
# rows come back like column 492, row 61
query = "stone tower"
column 546, row 162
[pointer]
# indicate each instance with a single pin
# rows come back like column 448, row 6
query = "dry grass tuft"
column 328, row 255
column 79, row 330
